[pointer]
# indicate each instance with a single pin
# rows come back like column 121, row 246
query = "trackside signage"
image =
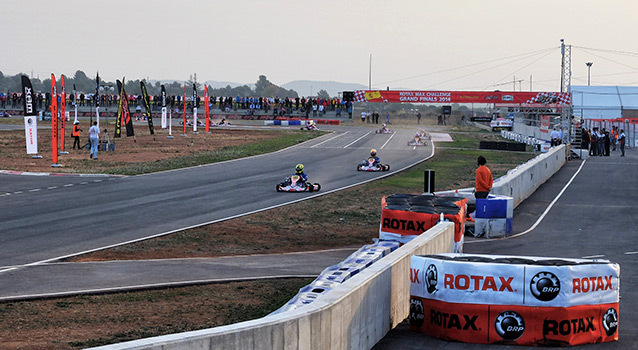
column 514, row 300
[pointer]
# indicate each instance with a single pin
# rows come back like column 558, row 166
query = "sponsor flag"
column 206, row 108
column 54, row 120
column 163, row 107
column 126, row 113
column 75, row 104
column 147, row 106
column 184, row 103
column 118, row 118
column 97, row 90
column 195, row 105
column 62, row 112
column 30, row 123
column 31, row 134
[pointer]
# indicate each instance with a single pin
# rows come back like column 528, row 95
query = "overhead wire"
column 532, row 53
column 525, row 66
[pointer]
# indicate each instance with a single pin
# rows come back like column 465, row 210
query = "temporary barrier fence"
column 514, row 300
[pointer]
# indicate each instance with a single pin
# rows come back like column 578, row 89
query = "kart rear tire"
column 278, row 188
column 359, row 167
column 386, row 167
column 318, row 187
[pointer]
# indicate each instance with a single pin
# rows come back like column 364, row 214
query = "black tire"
column 318, row 187
column 358, row 167
column 386, row 167
column 279, row 188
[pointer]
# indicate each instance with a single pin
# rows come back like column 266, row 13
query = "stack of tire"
column 405, row 216
column 333, row 276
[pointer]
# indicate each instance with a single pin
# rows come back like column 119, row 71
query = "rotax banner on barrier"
column 514, row 324
column 480, row 279
column 545, row 99
column 517, row 300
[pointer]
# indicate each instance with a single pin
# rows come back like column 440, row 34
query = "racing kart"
column 292, row 184
column 417, row 141
column 368, row 165
column 383, row 131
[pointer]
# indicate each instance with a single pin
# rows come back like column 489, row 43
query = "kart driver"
column 373, row 154
column 384, row 129
column 299, row 172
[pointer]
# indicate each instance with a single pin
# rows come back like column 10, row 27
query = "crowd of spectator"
column 249, row 105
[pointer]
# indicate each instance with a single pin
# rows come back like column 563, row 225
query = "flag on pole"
column 97, row 90
column 147, row 106
column 126, row 113
column 54, row 120
column 206, row 108
column 118, row 118
column 184, row 103
column 62, row 112
column 195, row 105
column 30, row 122
column 163, row 107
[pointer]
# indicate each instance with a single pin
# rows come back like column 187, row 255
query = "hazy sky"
column 420, row 44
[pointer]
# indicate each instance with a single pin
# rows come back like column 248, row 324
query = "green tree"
column 323, row 94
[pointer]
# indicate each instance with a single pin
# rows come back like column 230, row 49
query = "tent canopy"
column 603, row 102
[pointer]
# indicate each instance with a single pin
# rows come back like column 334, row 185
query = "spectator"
column 94, row 135
column 484, row 180
column 621, row 140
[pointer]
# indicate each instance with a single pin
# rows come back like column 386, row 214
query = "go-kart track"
column 48, row 217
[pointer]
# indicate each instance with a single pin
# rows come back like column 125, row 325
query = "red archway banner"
column 548, row 99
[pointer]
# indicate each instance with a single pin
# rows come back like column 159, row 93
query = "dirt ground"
column 128, row 150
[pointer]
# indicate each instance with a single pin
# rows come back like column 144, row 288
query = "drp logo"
column 610, row 321
column 509, row 325
column 431, row 277
column 417, row 314
column 544, row 286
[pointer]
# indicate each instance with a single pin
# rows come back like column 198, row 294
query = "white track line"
column 549, row 207
column 630, row 253
column 332, row 138
column 593, row 256
column 351, row 143
column 388, row 140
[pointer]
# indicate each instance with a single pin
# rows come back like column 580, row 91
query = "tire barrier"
column 538, row 144
column 334, row 275
column 405, row 216
column 286, row 122
column 514, row 300
column 504, row 146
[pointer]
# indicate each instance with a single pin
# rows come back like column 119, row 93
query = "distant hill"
column 310, row 87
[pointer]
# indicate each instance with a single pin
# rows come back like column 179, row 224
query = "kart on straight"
column 384, row 131
column 292, row 184
column 417, row 141
column 368, row 165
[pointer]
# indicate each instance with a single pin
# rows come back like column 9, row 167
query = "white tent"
column 604, row 102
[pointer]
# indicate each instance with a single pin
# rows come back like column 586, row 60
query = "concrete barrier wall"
column 523, row 180
column 355, row 315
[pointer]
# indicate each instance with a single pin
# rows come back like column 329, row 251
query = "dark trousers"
column 481, row 194
column 76, row 141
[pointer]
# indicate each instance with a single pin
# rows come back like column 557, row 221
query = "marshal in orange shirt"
column 483, row 179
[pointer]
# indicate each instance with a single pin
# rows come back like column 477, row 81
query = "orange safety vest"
column 76, row 130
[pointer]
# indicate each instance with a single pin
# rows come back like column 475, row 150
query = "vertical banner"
column 147, row 106
column 96, row 96
column 30, row 122
column 163, row 107
column 118, row 118
column 62, row 112
column 184, row 115
column 54, row 120
column 195, row 105
column 31, row 134
column 126, row 113
column 75, row 104
column 206, row 111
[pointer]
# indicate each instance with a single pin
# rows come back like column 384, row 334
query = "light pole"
column 588, row 72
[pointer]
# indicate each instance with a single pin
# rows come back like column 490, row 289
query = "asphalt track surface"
column 44, row 218
column 595, row 217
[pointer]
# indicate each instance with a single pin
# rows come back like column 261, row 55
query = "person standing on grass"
column 76, row 134
column 484, row 179
column 94, row 136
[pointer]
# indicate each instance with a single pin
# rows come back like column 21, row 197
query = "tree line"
column 86, row 85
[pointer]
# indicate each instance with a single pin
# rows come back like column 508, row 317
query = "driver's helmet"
column 299, row 168
column 373, row 152
column 384, row 125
